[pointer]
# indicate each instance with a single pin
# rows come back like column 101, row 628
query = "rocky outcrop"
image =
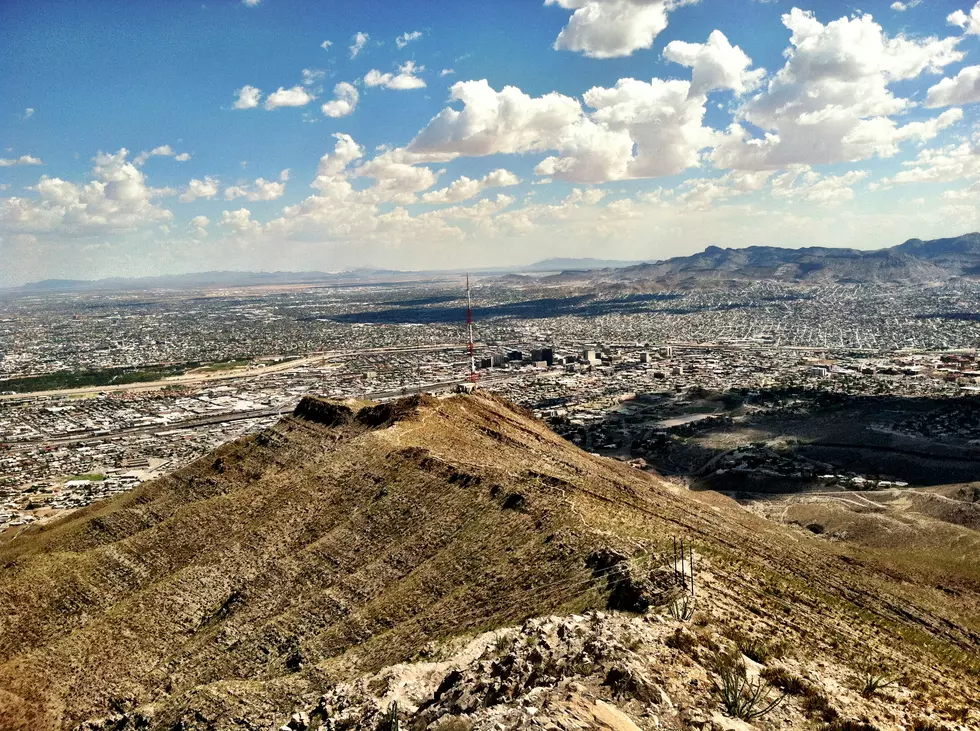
column 323, row 412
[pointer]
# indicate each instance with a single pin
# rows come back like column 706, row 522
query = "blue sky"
column 146, row 137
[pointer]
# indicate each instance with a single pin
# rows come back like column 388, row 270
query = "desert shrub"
column 502, row 642
column 683, row 640
column 850, row 724
column 754, row 648
column 741, row 697
column 873, row 677
column 787, row 681
column 454, row 723
column 706, row 640
column 682, row 608
column 958, row 713
column 816, row 704
column 926, row 724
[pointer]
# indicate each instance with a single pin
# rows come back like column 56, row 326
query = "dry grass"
column 346, row 548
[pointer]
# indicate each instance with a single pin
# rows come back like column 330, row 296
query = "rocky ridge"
column 353, row 556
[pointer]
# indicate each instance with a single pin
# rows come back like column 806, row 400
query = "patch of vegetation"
column 93, row 379
column 502, row 642
column 756, row 649
column 787, row 681
column 682, row 608
column 90, row 476
column 683, row 640
column 817, row 705
column 874, row 677
column 741, row 697
column 454, row 723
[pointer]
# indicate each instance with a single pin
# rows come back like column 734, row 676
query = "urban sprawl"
column 102, row 391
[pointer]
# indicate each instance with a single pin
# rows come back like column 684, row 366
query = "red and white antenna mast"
column 469, row 324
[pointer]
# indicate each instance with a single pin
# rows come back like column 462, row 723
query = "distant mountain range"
column 208, row 279
column 913, row 262
column 252, row 279
column 565, row 264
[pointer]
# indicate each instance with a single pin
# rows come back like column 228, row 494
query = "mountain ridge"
column 912, row 262
column 349, row 538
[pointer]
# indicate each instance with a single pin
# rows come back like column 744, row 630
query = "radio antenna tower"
column 469, row 325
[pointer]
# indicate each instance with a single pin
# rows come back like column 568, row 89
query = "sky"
column 141, row 138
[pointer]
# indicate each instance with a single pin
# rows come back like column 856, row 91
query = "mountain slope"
column 338, row 543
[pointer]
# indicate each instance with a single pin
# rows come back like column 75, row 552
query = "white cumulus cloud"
column 248, row 97
column 396, row 177
column 613, row 28
column 117, row 200
column 492, row 122
column 804, row 184
column 239, row 221
column 207, row 188
column 333, row 165
column 199, row 226
column 969, row 23
column 940, row 165
column 312, row 76
column 405, row 78
column 344, row 101
column 6, row 162
column 161, row 151
column 296, row 96
column 464, row 188
column 964, row 88
column 260, row 190
column 637, row 129
column 831, row 101
column 715, row 65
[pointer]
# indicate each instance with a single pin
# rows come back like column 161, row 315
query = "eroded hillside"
column 288, row 566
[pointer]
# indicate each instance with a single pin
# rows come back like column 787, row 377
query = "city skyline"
column 277, row 135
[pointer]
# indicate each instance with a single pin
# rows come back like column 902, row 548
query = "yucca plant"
column 682, row 608
column 742, row 697
column 874, row 677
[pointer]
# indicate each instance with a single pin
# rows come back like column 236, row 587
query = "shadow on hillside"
column 795, row 436
column 577, row 306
